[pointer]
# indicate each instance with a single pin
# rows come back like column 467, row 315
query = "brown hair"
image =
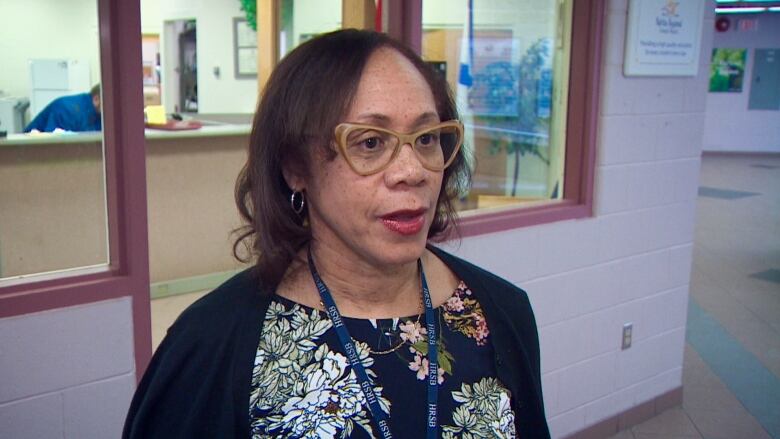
column 305, row 98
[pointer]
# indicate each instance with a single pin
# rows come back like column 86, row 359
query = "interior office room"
column 636, row 201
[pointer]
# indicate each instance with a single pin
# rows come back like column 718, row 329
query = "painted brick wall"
column 630, row 262
column 67, row 373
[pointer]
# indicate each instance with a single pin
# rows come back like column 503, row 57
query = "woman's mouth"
column 405, row 222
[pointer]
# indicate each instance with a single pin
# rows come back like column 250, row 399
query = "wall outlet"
column 628, row 330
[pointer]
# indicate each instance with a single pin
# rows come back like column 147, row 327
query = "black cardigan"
column 199, row 380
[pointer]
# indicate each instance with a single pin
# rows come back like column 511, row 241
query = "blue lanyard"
column 380, row 417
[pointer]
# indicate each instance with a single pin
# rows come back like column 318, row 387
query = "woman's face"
column 381, row 219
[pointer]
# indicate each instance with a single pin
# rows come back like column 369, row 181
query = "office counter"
column 221, row 130
column 52, row 204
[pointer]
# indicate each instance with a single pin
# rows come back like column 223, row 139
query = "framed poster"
column 663, row 37
column 244, row 49
column 727, row 71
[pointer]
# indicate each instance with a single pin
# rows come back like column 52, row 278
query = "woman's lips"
column 407, row 222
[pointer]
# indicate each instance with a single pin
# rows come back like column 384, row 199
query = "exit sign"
column 747, row 25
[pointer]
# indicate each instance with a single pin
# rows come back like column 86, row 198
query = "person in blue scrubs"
column 80, row 112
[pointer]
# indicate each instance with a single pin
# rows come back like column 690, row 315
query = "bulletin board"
column 244, row 49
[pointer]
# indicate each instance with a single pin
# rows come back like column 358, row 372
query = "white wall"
column 45, row 29
column 314, row 17
column 67, row 373
column 223, row 94
column 629, row 263
column 151, row 18
column 729, row 125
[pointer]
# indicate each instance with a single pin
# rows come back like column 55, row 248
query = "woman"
column 349, row 324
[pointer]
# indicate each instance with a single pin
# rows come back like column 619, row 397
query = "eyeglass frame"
column 344, row 128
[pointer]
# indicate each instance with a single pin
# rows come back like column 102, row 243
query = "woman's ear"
column 293, row 178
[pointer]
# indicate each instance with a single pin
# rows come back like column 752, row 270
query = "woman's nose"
column 406, row 168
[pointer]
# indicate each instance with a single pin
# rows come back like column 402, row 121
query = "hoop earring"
column 297, row 207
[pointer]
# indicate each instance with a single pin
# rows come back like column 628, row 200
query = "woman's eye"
column 365, row 141
column 371, row 142
column 427, row 139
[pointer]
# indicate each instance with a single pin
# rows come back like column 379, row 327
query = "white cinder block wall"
column 67, row 373
column 631, row 262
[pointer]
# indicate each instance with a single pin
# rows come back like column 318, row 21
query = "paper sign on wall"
column 663, row 37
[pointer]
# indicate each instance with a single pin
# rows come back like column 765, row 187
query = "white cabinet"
column 52, row 78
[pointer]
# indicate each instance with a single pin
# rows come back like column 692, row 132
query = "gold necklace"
column 396, row 347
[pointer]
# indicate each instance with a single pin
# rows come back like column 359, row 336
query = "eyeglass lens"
column 372, row 148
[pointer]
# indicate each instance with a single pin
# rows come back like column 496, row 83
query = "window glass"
column 300, row 20
column 200, row 59
column 52, row 180
column 507, row 64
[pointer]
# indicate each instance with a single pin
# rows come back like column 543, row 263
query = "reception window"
column 53, row 209
column 507, row 64
column 525, row 77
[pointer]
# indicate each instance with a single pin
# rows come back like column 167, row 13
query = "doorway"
column 180, row 66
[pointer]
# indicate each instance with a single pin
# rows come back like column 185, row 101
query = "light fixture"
column 774, row 9
column 739, row 10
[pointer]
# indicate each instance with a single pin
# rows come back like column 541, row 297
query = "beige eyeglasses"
column 369, row 149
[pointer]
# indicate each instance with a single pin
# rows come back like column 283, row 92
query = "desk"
column 52, row 204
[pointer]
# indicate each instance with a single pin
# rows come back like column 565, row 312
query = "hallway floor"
column 731, row 371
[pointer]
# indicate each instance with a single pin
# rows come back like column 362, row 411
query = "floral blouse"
column 303, row 386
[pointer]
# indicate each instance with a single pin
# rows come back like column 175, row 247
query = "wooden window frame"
column 581, row 122
column 127, row 272
column 404, row 22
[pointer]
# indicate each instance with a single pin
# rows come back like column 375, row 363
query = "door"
column 765, row 83
column 188, row 65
